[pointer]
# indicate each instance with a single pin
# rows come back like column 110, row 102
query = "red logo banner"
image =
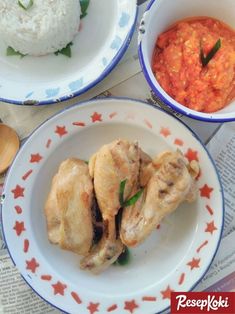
column 203, row 302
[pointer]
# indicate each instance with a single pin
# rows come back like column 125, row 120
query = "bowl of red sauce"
column 187, row 53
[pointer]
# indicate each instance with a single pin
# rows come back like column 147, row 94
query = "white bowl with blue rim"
column 159, row 15
column 104, row 36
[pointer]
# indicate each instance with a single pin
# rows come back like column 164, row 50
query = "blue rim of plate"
column 105, row 73
column 134, row 101
column 163, row 98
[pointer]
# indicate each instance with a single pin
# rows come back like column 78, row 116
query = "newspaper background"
column 127, row 80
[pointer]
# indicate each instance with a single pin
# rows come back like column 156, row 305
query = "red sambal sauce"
column 178, row 67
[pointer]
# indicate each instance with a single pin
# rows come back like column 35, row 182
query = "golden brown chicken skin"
column 172, row 183
column 68, row 207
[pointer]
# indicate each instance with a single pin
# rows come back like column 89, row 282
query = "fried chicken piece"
column 146, row 168
column 113, row 163
column 106, row 252
column 52, row 212
column 172, row 183
column 68, row 207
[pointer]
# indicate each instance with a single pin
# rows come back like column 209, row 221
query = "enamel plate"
column 174, row 258
column 103, row 38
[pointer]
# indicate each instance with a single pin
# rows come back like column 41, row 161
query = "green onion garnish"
column 12, row 52
column 84, row 6
column 66, row 51
column 121, row 191
column 25, row 7
column 206, row 59
column 124, row 258
column 132, row 200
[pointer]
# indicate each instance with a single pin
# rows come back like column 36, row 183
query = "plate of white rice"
column 51, row 50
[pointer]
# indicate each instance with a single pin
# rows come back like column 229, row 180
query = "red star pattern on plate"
column 205, row 191
column 178, row 142
column 76, row 297
column 79, row 123
column 194, row 263
column 59, row 288
column 48, row 143
column 18, row 209
column 93, row 307
column 131, row 306
column 35, row 158
column 27, row 174
column 202, row 246
column 112, row 115
column 96, row 117
column 210, row 210
column 26, row 246
column 32, row 265
column 191, row 155
column 166, row 294
column 19, row 227
column 46, row 277
column 211, row 227
column 149, row 299
column 165, row 132
column 61, row 131
column 112, row 308
column 181, row 279
column 148, row 123
column 18, row 191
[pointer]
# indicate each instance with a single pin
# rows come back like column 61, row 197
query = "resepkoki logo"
column 203, row 302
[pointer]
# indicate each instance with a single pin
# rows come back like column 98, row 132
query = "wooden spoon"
column 9, row 145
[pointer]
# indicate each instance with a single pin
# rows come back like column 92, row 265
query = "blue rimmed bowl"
column 159, row 15
column 104, row 36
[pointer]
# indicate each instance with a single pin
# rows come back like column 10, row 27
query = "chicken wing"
column 113, row 163
column 172, row 183
column 68, row 207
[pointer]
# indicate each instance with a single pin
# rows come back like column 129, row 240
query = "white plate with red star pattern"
column 174, row 258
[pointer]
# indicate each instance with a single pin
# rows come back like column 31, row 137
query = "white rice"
column 48, row 26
